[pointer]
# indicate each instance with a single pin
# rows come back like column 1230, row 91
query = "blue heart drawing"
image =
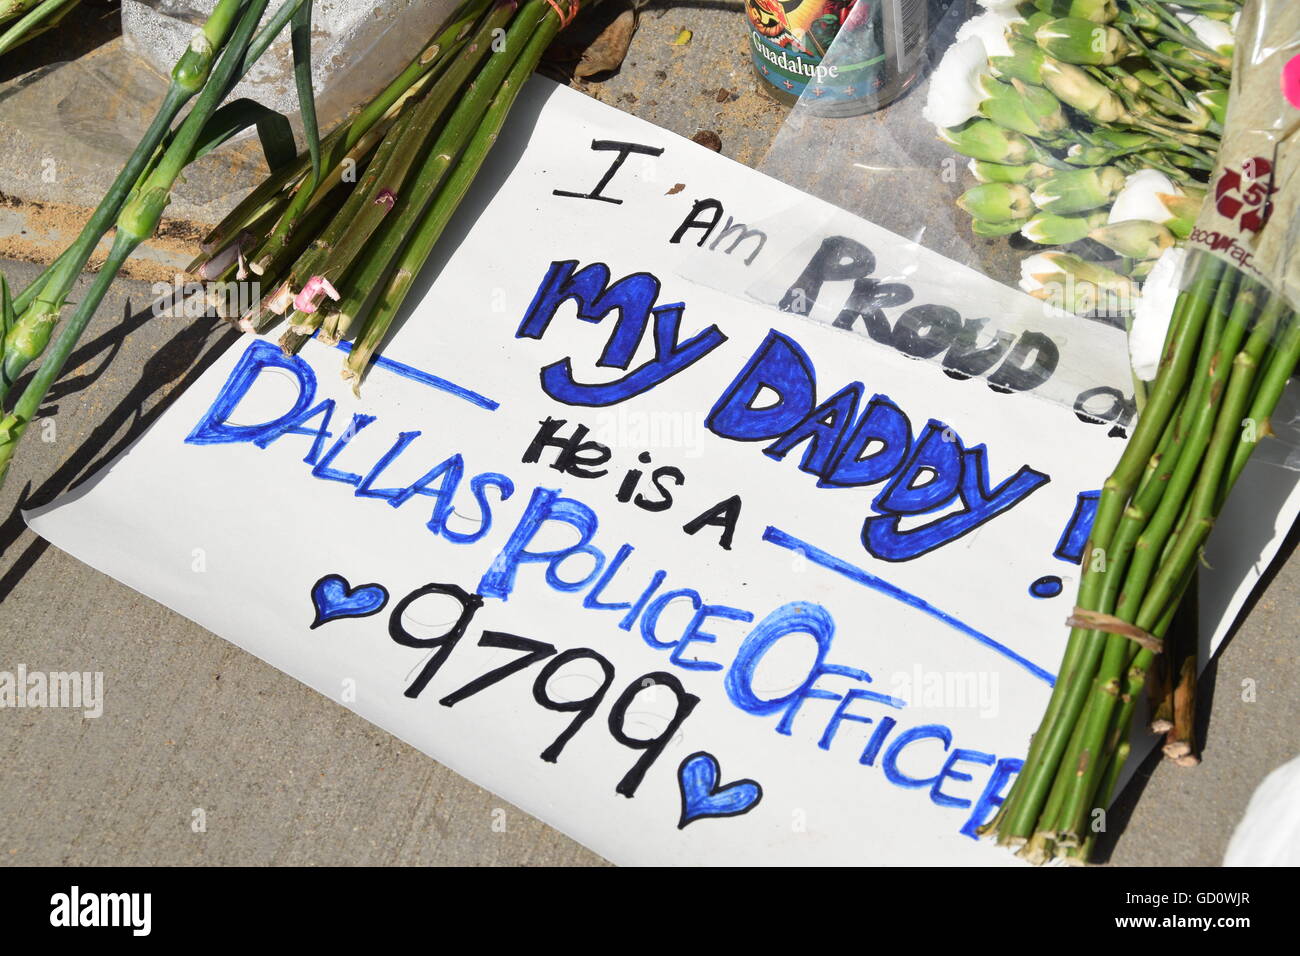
column 333, row 598
column 702, row 796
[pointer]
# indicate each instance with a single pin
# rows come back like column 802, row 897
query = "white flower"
column 991, row 27
column 1155, row 309
column 1215, row 34
column 1140, row 198
column 955, row 93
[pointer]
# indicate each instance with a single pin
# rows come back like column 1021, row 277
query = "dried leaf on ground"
column 606, row 52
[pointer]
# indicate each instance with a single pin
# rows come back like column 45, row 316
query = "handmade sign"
column 707, row 535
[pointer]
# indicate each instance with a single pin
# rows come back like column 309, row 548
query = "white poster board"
column 687, row 576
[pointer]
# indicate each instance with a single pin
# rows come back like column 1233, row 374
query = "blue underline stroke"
column 428, row 378
column 853, row 573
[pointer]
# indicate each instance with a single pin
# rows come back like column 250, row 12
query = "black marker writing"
column 624, row 150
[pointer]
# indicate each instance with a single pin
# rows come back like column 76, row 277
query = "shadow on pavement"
column 164, row 375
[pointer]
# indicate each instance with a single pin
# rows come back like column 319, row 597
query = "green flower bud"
column 1135, row 238
column 1143, row 18
column 1049, row 230
column 1002, row 173
column 1078, row 190
column 997, row 202
column 1097, row 11
column 1156, row 82
column 1184, row 210
column 986, row 140
column 1177, row 51
column 1004, row 106
column 1076, row 88
column 1119, row 138
column 28, row 336
column 1139, row 268
column 1216, row 103
column 1025, row 63
column 1074, row 40
column 1018, row 107
column 1071, row 283
column 1042, row 106
column 992, row 229
column 1080, row 155
column 1032, row 23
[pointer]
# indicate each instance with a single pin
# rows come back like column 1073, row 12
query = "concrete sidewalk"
column 206, row 755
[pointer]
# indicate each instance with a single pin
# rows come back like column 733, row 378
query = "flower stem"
column 38, row 310
column 1069, row 694
column 490, row 98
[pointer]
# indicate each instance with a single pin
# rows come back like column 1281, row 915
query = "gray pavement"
column 196, row 730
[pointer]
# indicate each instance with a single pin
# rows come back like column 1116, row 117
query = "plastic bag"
column 892, row 167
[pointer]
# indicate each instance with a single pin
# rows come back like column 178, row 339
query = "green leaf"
column 300, row 36
column 6, row 311
column 273, row 130
column 270, row 30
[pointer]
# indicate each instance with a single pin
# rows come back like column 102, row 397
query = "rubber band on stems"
column 565, row 18
column 1109, row 624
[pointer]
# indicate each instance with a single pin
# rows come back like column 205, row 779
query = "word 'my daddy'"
column 849, row 439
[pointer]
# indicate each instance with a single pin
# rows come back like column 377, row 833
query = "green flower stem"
column 1192, row 443
column 1235, row 402
column 335, row 224
column 1200, row 69
column 1281, row 364
column 370, row 273
column 38, row 311
column 137, row 221
column 1227, row 432
column 1197, row 114
column 1174, row 28
column 1212, row 6
column 1173, row 80
column 539, row 23
column 266, row 36
column 277, row 191
column 1139, row 108
column 278, row 247
column 256, row 219
column 314, row 219
column 1069, row 694
column 13, row 425
column 311, row 223
column 273, row 192
column 1041, row 846
column 395, row 175
column 434, row 55
column 1218, row 412
column 35, row 20
column 140, row 216
column 1118, row 745
column 1184, row 457
column 25, row 298
column 1144, row 161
